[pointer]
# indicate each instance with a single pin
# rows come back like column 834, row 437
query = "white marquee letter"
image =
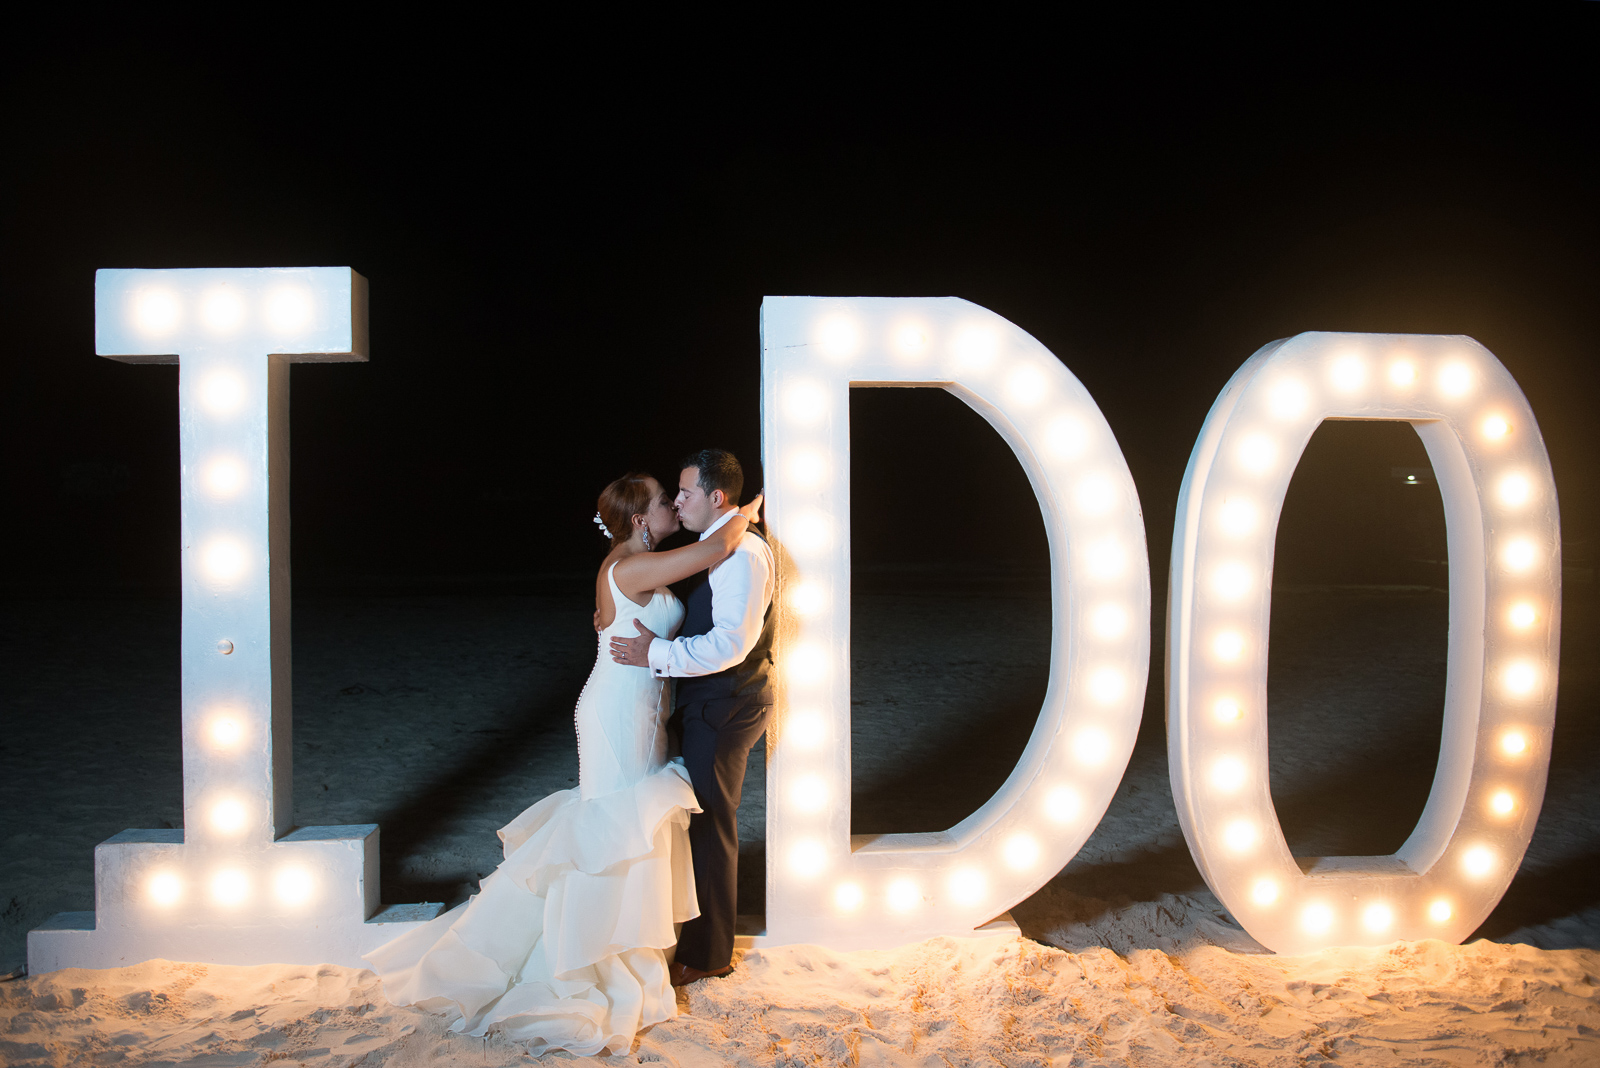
column 1504, row 541
column 235, row 885
column 880, row 890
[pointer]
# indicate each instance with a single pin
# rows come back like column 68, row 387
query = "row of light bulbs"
column 221, row 311
column 231, row 887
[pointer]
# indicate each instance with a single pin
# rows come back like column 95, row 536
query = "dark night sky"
column 568, row 235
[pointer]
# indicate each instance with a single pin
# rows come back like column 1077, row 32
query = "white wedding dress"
column 562, row 947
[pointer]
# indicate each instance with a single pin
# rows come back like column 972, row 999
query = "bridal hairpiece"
column 601, row 523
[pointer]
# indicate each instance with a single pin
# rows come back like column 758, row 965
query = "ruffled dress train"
column 563, row 947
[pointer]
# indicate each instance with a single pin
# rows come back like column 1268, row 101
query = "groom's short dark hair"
column 719, row 470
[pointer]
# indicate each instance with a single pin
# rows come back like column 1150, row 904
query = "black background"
column 568, row 229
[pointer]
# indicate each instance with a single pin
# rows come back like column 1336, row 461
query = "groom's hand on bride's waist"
column 635, row 652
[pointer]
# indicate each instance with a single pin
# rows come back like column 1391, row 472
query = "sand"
column 442, row 716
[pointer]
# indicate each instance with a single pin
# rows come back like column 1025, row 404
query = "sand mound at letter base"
column 1000, row 1002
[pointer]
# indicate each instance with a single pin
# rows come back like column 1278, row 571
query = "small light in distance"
column 1520, row 554
column 1227, row 710
column 1348, row 373
column 221, row 393
column 1228, row 774
column 1522, row 615
column 1521, row 678
column 1288, row 399
column 809, row 793
column 804, row 403
column 1440, row 911
column 1107, row 685
column 1228, row 646
column 1022, row 851
column 1377, row 918
column 1240, row 836
column 1264, row 892
column 1402, row 373
column 223, row 560
column 230, row 887
column 910, row 340
column 1494, row 427
column 226, row 732
column 1316, row 919
column 156, row 312
column 1478, row 861
column 1257, row 453
column 807, row 599
column 1108, row 621
column 224, row 477
column 1066, row 437
column 808, row 859
column 222, row 310
column 967, row 886
column 847, row 897
column 1514, row 491
column 1062, row 804
column 288, row 309
column 1455, row 379
column 839, row 337
column 1091, row 746
column 294, row 886
column 165, row 888
column 1513, row 743
column 1502, row 803
column 1027, row 386
column 903, row 895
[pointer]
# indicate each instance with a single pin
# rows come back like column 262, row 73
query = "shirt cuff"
column 659, row 649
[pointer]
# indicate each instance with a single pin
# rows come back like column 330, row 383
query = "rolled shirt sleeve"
column 741, row 589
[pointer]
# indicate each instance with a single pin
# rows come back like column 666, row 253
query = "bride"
column 563, row 945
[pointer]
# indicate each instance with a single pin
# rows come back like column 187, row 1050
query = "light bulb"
column 1514, row 491
column 1027, row 386
column 910, row 340
column 224, row 477
column 1377, row 918
column 1478, row 861
column 847, row 897
column 1522, row 615
column 221, row 310
column 1228, row 774
column 1022, row 851
column 807, row 599
column 1402, row 373
column 1316, row 919
column 1348, row 373
column 967, row 886
column 1288, row 399
column 226, row 732
column 809, row 793
column 975, row 348
column 1240, row 836
column 165, row 888
column 1514, row 743
column 294, row 886
column 1264, row 892
column 804, row 403
column 156, row 312
column 228, row 817
column 839, row 337
column 1228, row 646
column 1502, row 803
column 807, row 859
column 1519, row 554
column 805, row 730
column 221, row 393
column 1108, row 621
column 1455, row 379
column 1095, row 495
column 1440, row 911
column 223, row 560
column 288, row 309
column 808, row 663
column 903, row 895
column 1227, row 710
column 1107, row 685
column 1091, row 746
column 1521, row 678
column 1062, row 804
column 1257, row 453
column 1066, row 437
column 1237, row 517
column 1494, row 427
column 230, row 887
column 807, row 468
column 1231, row 581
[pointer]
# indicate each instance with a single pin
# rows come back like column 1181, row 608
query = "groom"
column 721, row 658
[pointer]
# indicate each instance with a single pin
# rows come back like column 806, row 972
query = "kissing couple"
column 565, row 944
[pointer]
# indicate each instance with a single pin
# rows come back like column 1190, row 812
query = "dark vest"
column 749, row 677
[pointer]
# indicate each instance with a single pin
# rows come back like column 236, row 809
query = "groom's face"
column 697, row 509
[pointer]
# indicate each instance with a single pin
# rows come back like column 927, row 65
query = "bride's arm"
column 648, row 571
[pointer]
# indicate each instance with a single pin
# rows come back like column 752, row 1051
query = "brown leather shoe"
column 682, row 975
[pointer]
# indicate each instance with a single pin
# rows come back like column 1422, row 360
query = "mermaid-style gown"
column 562, row 947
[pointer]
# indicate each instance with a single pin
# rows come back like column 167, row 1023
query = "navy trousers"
column 715, row 737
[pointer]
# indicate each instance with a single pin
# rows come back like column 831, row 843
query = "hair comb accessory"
column 601, row 523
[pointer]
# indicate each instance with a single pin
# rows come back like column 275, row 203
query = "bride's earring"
column 648, row 547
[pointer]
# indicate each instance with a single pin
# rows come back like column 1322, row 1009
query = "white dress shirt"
column 741, row 590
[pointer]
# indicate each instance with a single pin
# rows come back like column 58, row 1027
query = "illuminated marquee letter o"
column 884, row 890
column 1505, row 602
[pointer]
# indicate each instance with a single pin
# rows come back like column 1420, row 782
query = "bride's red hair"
column 625, row 498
